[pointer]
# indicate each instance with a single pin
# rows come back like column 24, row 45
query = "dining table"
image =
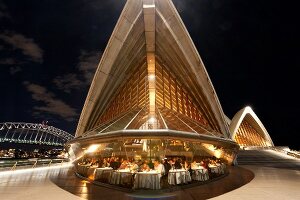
column 103, row 174
column 121, row 177
column 200, row 174
column 148, row 180
column 179, row 176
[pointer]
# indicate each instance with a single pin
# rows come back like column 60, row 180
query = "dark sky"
column 49, row 50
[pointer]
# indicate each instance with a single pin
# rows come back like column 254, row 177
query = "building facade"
column 151, row 96
column 248, row 131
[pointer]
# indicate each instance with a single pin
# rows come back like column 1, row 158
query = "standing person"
column 167, row 165
column 178, row 164
column 235, row 163
column 172, row 163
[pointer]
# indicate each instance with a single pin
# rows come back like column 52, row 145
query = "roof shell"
column 127, row 47
column 248, row 114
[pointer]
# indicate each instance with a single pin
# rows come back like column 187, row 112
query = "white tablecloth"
column 103, row 174
column 214, row 169
column 121, row 177
column 150, row 180
column 178, row 176
column 222, row 168
column 83, row 169
column 200, row 174
column 217, row 169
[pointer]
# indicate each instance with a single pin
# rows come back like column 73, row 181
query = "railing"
column 12, row 165
column 287, row 151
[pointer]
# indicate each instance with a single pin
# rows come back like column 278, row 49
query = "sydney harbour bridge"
column 33, row 133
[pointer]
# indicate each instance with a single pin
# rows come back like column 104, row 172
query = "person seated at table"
column 150, row 164
column 159, row 167
column 194, row 165
column 178, row 164
column 134, row 167
column 204, row 163
column 115, row 163
column 123, row 164
column 172, row 163
column 212, row 164
column 145, row 167
column 87, row 161
column 186, row 165
column 218, row 162
column 105, row 163
column 129, row 165
column 93, row 161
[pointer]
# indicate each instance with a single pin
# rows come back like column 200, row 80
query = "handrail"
column 14, row 166
column 49, row 163
column 34, row 165
column 25, row 164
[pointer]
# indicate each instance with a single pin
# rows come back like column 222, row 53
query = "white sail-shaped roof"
column 248, row 114
column 151, row 26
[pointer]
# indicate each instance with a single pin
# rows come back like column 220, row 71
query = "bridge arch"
column 33, row 133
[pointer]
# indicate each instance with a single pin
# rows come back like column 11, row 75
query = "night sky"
column 49, row 50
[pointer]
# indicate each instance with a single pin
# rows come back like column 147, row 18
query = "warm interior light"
column 148, row 6
column 92, row 148
column 152, row 120
column 151, row 77
column 218, row 153
column 144, row 145
column 152, row 101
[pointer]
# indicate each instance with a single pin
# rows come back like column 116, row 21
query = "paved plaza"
column 275, row 176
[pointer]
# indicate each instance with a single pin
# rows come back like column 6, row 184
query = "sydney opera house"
column 152, row 98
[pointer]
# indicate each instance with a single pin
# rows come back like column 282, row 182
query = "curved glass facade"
column 151, row 102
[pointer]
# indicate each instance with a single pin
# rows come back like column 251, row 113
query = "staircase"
column 267, row 158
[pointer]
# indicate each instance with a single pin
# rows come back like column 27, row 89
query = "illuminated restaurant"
column 152, row 118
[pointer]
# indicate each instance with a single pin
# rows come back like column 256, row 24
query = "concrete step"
column 268, row 158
